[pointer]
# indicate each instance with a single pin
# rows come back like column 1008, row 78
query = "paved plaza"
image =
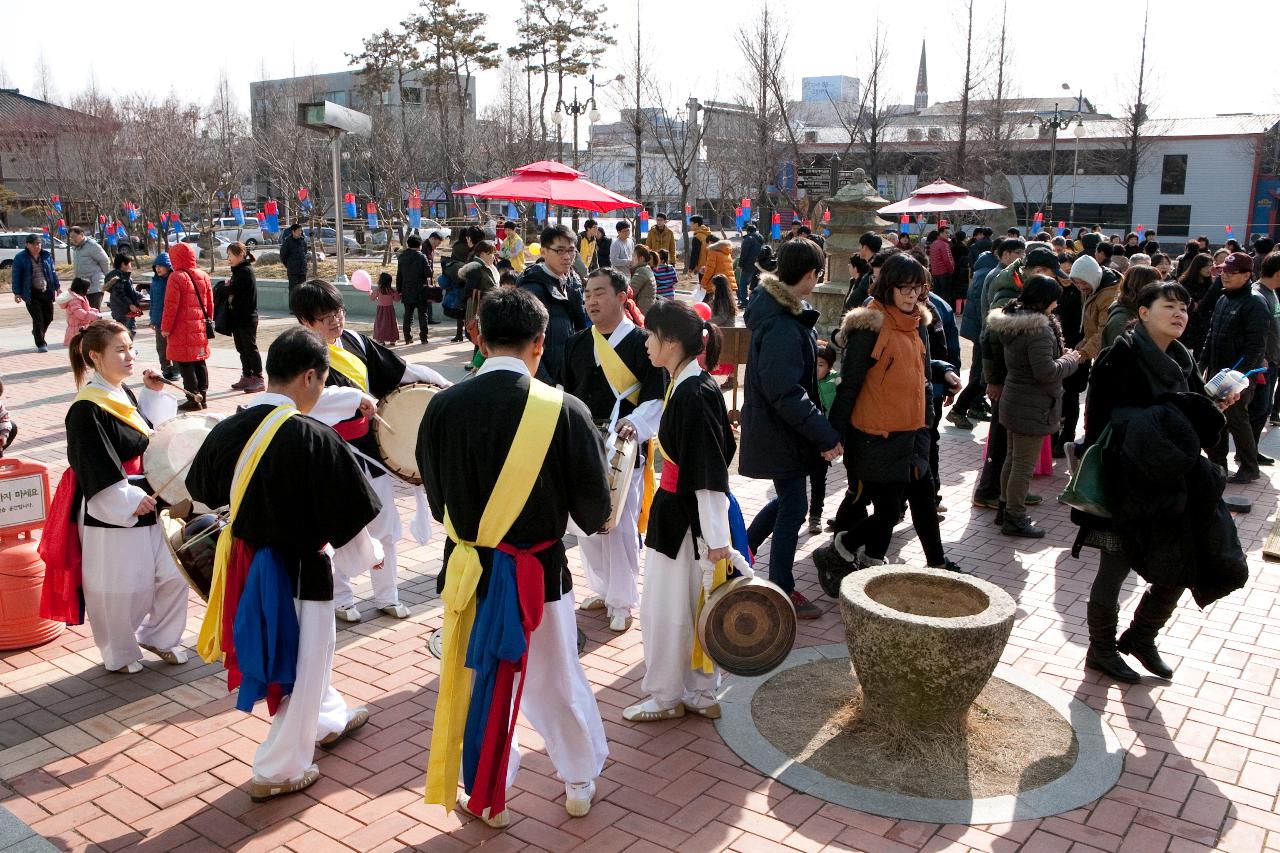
column 158, row 761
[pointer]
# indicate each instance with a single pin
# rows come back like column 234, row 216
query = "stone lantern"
column 853, row 213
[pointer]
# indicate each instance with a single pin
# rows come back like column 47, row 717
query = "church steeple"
column 922, row 82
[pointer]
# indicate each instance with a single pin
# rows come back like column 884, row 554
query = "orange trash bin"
column 24, row 505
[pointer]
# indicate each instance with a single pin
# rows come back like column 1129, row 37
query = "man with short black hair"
column 35, row 283
column 607, row 367
column 412, row 283
column 293, row 255
column 505, row 573
column 622, row 250
column 785, row 436
column 697, row 245
column 661, row 236
column 555, row 284
column 304, row 493
column 752, row 243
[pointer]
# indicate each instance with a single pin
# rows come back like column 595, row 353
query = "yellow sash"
column 701, row 661
column 510, row 494
column 209, row 644
column 121, row 411
column 349, row 365
column 621, row 378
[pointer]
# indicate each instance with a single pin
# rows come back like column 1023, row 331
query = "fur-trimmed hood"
column 1011, row 324
column 781, row 293
column 870, row 317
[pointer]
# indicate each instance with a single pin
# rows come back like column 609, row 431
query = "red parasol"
column 939, row 197
column 551, row 182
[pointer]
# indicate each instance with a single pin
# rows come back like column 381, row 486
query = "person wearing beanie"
column 1106, row 284
column 160, row 271
column 1084, row 277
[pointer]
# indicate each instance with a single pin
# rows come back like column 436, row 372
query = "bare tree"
column 44, row 79
column 763, row 45
column 679, row 139
column 1135, row 120
column 877, row 115
column 966, row 92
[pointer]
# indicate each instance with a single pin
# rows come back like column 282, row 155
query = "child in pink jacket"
column 79, row 313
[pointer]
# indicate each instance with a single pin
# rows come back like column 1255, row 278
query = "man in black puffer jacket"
column 1237, row 341
column 557, row 287
column 293, row 254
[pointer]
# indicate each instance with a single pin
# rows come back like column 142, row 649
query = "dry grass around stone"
column 1011, row 742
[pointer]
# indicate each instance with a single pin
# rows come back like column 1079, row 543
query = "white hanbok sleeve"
column 116, row 504
column 337, row 404
column 422, row 373
column 155, row 406
column 713, row 517
column 645, row 418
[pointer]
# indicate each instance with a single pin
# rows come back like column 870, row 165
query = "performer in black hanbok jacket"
column 304, row 494
column 357, row 361
column 608, row 368
column 506, row 460
column 134, row 596
column 689, row 521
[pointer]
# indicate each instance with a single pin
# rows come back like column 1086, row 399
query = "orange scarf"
column 892, row 396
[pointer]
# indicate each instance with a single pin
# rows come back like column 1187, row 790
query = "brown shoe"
column 359, row 717
column 260, row 790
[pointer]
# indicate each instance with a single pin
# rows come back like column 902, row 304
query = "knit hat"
column 1238, row 262
column 162, row 260
column 1086, row 269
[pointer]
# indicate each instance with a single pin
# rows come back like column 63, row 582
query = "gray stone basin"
column 923, row 642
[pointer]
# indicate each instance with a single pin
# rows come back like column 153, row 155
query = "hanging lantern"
column 57, row 203
column 349, row 205
column 775, row 227
column 237, row 209
column 302, row 194
column 371, row 211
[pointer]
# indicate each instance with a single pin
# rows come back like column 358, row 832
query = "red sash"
column 352, row 429
column 670, row 475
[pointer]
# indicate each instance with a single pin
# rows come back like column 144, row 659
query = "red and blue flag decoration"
column 775, row 227
column 737, row 218
column 1062, row 227
column 473, row 211
column 131, row 210
column 111, row 234
column 688, row 211
column 56, row 202
column 1141, row 231
column 349, row 205
column 371, row 211
column 1037, row 221
column 644, row 222
column 237, row 209
column 62, row 227
column 539, row 211
column 415, row 208
column 151, row 231
column 512, row 213
column 272, row 220
column 904, row 223
column 1231, row 234
column 176, row 222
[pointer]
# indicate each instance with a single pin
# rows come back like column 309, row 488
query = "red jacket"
column 183, row 320
column 941, row 261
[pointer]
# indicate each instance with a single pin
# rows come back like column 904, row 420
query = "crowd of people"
column 510, row 464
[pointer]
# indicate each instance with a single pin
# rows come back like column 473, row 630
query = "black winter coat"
column 1166, row 497
column 900, row 456
column 293, row 254
column 242, row 296
column 1237, row 332
column 412, row 277
column 564, row 305
column 783, row 430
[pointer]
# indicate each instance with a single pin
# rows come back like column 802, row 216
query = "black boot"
column 1140, row 640
column 1102, row 654
column 999, row 519
column 832, row 568
column 1021, row 527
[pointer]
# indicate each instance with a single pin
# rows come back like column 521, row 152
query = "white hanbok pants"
column 668, row 618
column 558, row 701
column 314, row 710
column 133, row 591
column 355, row 558
column 612, row 560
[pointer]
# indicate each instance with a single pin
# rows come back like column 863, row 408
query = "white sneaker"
column 397, row 610
column 593, row 602
column 132, row 669
column 499, row 821
column 348, row 614
column 176, row 656
column 620, row 623
column 577, row 798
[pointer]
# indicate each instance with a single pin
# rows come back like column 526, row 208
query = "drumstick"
column 384, row 424
column 156, row 492
column 179, row 387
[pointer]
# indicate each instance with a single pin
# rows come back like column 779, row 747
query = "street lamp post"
column 577, row 108
column 335, row 120
column 1078, row 130
column 1053, row 125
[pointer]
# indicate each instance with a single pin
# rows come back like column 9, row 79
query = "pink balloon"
column 703, row 310
column 360, row 281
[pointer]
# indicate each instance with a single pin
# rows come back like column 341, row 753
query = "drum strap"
column 209, row 644
column 121, row 411
column 510, row 494
column 349, row 365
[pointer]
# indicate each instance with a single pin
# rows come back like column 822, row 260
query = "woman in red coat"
column 188, row 303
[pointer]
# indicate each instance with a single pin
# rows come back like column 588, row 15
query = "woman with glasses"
column 555, row 284
column 883, row 405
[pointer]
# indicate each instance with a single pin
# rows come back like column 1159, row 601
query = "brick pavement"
column 95, row 761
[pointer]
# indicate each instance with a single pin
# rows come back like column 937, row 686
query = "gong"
column 747, row 626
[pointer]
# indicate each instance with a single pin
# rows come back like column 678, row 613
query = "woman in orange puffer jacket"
column 188, row 302
column 718, row 260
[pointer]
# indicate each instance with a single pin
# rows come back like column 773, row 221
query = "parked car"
column 250, row 233
column 201, row 243
column 328, row 240
column 13, row 242
column 378, row 239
